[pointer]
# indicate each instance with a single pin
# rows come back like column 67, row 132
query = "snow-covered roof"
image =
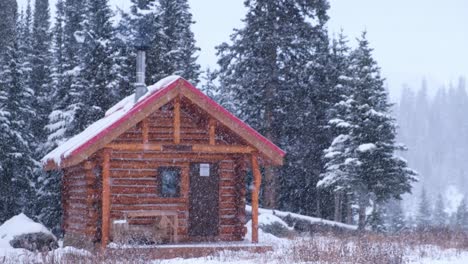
column 127, row 108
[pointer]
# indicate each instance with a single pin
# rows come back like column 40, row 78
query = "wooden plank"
column 234, row 149
column 145, row 199
column 222, row 149
column 136, row 147
column 212, row 131
column 177, row 121
column 255, row 190
column 105, row 198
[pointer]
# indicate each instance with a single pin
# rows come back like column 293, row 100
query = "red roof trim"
column 134, row 109
column 234, row 118
column 160, row 93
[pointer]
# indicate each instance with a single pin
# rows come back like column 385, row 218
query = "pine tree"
column 462, row 216
column 177, row 54
column 16, row 162
column 395, row 218
column 263, row 69
column 337, row 154
column 68, row 83
column 423, row 218
column 97, row 64
column 8, row 17
column 124, row 56
column 439, row 217
column 376, row 219
column 41, row 81
column 49, row 183
column 362, row 158
column 163, row 27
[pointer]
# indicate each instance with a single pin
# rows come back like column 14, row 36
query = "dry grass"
column 323, row 247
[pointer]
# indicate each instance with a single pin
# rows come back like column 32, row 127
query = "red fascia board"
column 160, row 93
column 136, row 108
column 234, row 118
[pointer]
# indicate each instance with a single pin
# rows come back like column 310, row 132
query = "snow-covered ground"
column 299, row 249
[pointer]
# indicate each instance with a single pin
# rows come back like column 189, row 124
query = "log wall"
column 81, row 203
column 134, row 184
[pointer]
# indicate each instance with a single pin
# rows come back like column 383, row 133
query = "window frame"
column 178, row 181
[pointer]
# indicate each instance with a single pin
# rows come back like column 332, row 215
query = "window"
column 170, row 181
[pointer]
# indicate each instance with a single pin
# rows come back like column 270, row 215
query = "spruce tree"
column 163, row 27
column 8, row 17
column 395, row 217
column 462, row 216
column 176, row 43
column 68, row 83
column 16, row 162
column 439, row 217
column 124, row 56
column 97, row 64
column 41, row 81
column 362, row 158
column 335, row 177
column 376, row 219
column 272, row 90
column 423, row 217
column 49, row 183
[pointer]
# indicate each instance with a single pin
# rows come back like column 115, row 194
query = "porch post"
column 105, row 198
column 257, row 179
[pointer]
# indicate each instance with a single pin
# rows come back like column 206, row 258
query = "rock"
column 35, row 242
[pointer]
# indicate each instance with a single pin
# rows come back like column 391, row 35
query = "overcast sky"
column 412, row 39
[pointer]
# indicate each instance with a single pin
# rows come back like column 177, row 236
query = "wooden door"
column 204, row 200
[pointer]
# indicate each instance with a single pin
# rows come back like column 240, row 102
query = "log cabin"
column 168, row 154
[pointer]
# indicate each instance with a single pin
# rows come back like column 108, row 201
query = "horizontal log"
column 227, row 229
column 136, row 182
column 136, row 199
column 153, row 147
column 196, row 148
column 169, row 156
column 228, row 221
column 147, row 174
column 227, row 165
column 228, row 199
column 116, row 190
column 149, row 207
column 226, row 205
column 85, row 232
column 228, row 192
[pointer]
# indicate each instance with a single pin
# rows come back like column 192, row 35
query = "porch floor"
column 186, row 250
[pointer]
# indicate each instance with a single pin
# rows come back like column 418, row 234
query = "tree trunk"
column 338, row 205
column 349, row 211
column 269, row 192
column 362, row 216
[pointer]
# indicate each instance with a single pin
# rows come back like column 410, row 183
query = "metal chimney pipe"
column 140, row 87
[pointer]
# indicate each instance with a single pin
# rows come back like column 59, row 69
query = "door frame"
column 200, row 238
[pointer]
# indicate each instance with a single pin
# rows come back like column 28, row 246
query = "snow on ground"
column 18, row 225
column 284, row 250
column 310, row 219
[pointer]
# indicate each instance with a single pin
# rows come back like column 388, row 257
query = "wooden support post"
column 257, row 178
column 105, row 198
column 177, row 120
column 212, row 131
column 145, row 130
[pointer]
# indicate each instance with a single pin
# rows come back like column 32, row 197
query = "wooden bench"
column 167, row 220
